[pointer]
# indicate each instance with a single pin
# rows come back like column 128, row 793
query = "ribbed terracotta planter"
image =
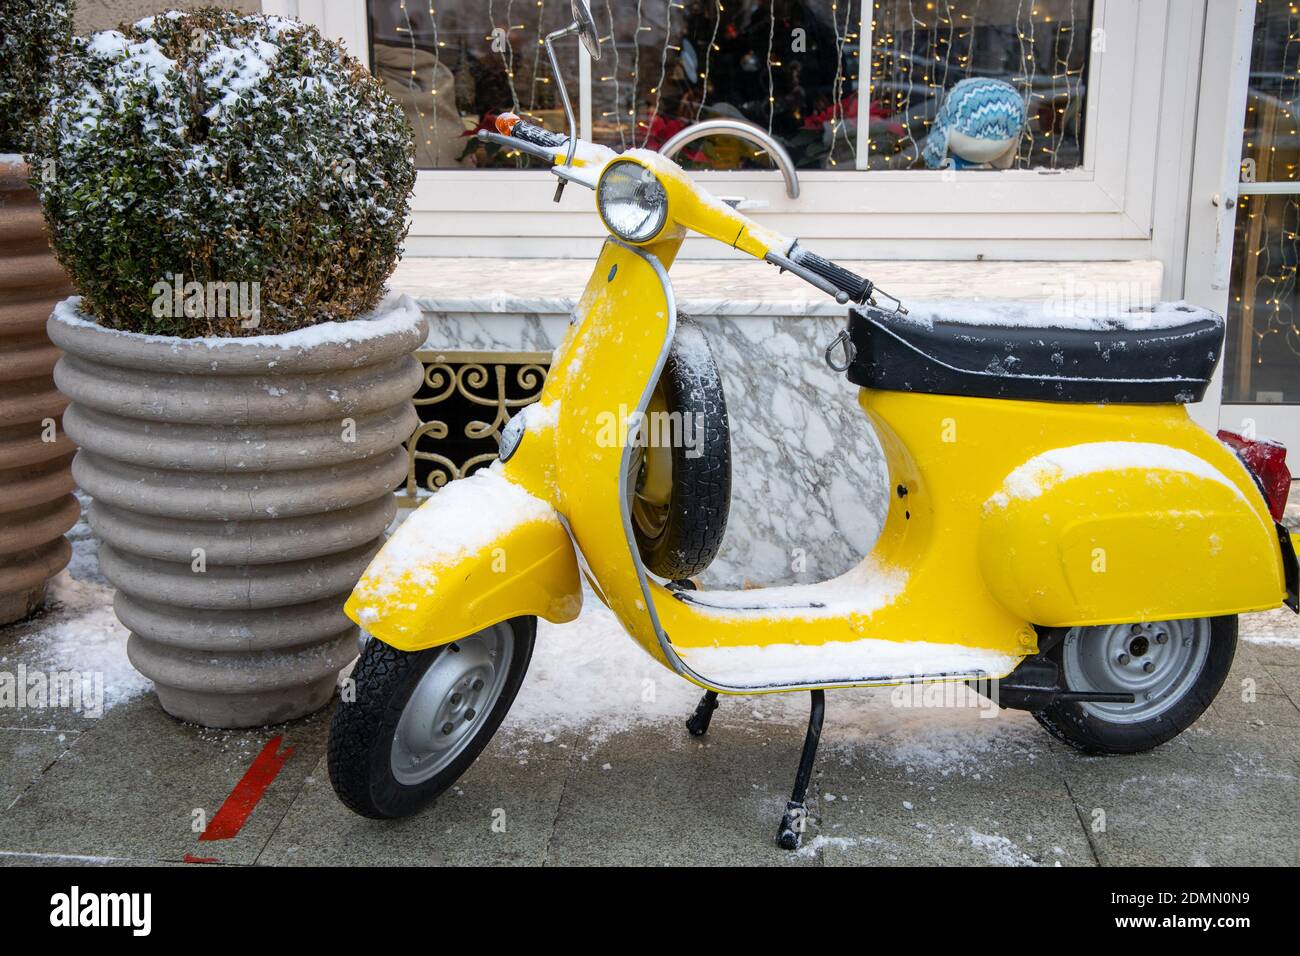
column 239, row 448
column 36, row 504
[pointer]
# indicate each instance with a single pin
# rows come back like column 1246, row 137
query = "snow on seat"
column 1016, row 350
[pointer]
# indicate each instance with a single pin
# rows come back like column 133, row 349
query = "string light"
column 708, row 59
column 617, row 111
column 537, row 53
column 771, row 42
column 1267, row 285
column 663, row 69
column 507, row 50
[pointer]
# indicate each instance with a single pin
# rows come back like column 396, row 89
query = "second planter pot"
column 36, row 505
column 240, row 488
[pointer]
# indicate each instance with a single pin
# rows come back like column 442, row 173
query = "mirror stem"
column 570, row 30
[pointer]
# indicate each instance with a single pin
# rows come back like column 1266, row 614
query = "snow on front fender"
column 480, row 551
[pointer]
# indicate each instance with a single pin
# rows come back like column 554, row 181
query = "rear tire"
column 1128, row 728
column 378, row 774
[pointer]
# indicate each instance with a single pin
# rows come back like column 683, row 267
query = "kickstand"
column 796, row 812
column 698, row 722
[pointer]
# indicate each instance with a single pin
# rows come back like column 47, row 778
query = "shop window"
column 793, row 67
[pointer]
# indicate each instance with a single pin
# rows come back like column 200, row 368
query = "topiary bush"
column 208, row 151
column 31, row 32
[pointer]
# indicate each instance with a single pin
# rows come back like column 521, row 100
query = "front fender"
column 1108, row 533
column 480, row 551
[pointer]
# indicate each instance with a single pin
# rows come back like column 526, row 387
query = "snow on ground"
column 78, row 631
column 85, row 637
column 590, row 675
column 1278, row 640
column 1001, row 851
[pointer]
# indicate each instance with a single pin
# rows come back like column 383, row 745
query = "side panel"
column 1131, row 544
column 1108, row 514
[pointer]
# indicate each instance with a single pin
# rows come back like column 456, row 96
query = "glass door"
column 1261, row 367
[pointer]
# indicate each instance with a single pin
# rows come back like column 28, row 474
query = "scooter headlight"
column 632, row 201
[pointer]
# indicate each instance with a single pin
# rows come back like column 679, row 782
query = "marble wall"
column 809, row 491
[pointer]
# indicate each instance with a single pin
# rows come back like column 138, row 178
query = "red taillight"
column 1267, row 460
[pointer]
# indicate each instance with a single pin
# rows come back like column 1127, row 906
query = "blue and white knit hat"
column 988, row 111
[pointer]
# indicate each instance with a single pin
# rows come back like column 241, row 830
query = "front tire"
column 419, row 719
column 1174, row 669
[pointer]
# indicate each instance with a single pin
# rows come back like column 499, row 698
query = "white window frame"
column 1105, row 209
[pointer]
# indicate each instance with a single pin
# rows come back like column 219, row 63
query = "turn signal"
column 506, row 123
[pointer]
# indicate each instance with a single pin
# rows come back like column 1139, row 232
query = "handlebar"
column 842, row 284
column 529, row 132
column 856, row 287
column 536, row 141
column 834, row 280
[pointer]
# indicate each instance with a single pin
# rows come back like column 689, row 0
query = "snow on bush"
column 31, row 32
column 229, row 151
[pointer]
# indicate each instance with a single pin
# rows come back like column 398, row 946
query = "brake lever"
column 899, row 308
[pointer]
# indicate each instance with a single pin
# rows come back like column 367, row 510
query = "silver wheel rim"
column 451, row 703
column 1156, row 662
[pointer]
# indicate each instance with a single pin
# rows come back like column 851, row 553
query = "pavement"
column 564, row 784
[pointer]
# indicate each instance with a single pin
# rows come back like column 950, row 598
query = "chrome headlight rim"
column 646, row 177
column 511, row 437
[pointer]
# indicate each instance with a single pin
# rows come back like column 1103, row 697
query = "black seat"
column 1163, row 356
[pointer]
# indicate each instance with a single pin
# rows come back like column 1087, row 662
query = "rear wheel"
column 418, row 720
column 1172, row 668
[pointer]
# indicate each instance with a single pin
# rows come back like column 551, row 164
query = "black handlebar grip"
column 537, row 135
column 853, row 285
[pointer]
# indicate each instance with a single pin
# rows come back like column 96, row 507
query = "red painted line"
column 200, row 859
column 234, row 812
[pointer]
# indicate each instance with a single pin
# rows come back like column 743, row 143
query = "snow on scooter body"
column 1029, row 505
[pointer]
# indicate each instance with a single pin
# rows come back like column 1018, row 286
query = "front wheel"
column 1173, row 669
column 418, row 720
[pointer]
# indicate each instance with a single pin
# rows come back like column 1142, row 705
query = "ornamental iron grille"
column 465, row 400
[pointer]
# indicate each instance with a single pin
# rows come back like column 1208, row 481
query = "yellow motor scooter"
column 1060, row 531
